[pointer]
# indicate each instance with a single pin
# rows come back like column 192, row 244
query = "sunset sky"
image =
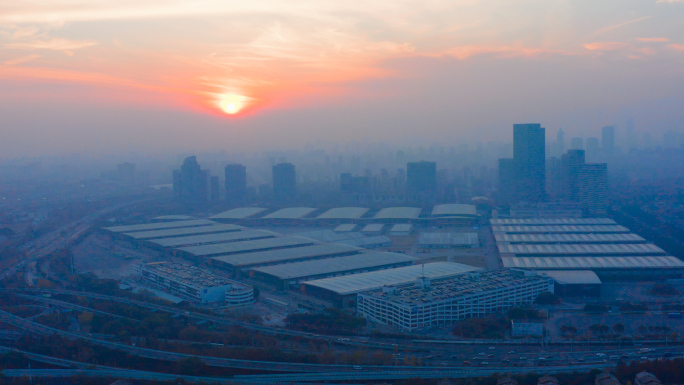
column 105, row 75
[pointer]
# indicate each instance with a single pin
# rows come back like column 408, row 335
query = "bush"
column 663, row 289
column 481, row 328
column 331, row 321
column 595, row 308
column 547, row 298
column 518, row 313
column 628, row 307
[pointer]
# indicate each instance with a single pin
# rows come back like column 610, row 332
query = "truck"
column 676, row 315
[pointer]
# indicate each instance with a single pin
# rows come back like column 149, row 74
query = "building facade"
column 593, row 189
column 191, row 183
column 529, row 153
column 236, row 183
column 284, row 183
column 426, row 304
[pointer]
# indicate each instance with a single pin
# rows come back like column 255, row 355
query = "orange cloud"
column 678, row 47
column 605, row 46
column 653, row 39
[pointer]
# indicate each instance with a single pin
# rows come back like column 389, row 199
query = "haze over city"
column 395, row 192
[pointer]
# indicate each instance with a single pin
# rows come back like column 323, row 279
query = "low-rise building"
column 425, row 304
column 195, row 284
column 646, row 378
column 449, row 240
column 547, row 380
column 606, row 379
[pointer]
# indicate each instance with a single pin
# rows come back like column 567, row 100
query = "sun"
column 232, row 103
column 230, row 108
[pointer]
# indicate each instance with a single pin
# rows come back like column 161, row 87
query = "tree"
column 547, row 298
column 595, row 308
column 618, row 328
column 190, row 366
column 568, row 330
column 664, row 289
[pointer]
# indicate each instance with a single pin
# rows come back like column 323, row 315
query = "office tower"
column 560, row 141
column 214, row 195
column 592, row 180
column 190, row 183
column 236, row 184
column 577, row 144
column 554, row 178
column 421, row 178
column 592, row 149
column 507, row 172
column 529, row 154
column 570, row 164
column 284, row 183
column 608, row 139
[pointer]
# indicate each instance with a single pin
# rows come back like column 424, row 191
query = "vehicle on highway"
column 644, row 358
column 614, row 358
column 600, row 355
column 675, row 315
column 580, row 359
column 492, row 348
column 523, row 358
column 483, row 363
column 342, row 339
column 467, row 363
column 511, row 352
column 357, row 367
column 481, row 354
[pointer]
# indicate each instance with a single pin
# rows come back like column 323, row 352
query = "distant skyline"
column 114, row 76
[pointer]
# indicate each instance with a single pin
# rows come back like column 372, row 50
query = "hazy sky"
column 111, row 75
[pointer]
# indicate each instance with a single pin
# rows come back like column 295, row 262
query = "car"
column 600, row 355
column 467, row 363
column 492, row 348
column 357, row 367
column 505, row 360
column 511, row 352
column 342, row 339
column 644, row 358
column 580, row 359
column 614, row 358
column 484, row 363
column 481, row 354
column 490, row 355
column 523, row 358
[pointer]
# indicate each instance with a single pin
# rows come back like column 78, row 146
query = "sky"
column 103, row 75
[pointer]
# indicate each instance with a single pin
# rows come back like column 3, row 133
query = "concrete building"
column 191, row 183
column 575, row 283
column 428, row 303
column 529, row 154
column 592, row 189
column 209, row 239
column 421, row 180
column 373, row 229
column 159, row 226
column 284, row 183
column 345, row 228
column 606, row 379
column 646, row 378
column 181, row 231
column 207, row 251
column 608, row 139
column 398, row 214
column 507, row 181
column 570, row 164
column 454, row 214
column 401, row 230
column 236, row 184
column 547, row 209
column 238, row 214
column 547, row 380
column 195, row 284
column 449, row 240
column 527, row 329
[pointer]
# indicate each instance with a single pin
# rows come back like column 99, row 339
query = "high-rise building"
column 592, row 180
column 608, row 139
column 191, row 183
column 284, row 183
column 592, row 148
column 554, row 178
column 507, row 184
column 236, row 183
column 570, row 164
column 421, row 179
column 577, row 143
column 529, row 155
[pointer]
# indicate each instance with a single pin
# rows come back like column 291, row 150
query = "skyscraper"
column 608, row 139
column 236, row 183
column 577, row 144
column 560, row 141
column 592, row 149
column 570, row 163
column 507, row 180
column 191, row 183
column 421, row 178
column 529, row 154
column 592, row 189
column 284, row 183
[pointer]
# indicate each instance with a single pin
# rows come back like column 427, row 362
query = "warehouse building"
column 164, row 218
column 401, row 230
column 448, row 241
column 159, row 226
column 286, row 217
column 180, row 231
column 243, row 261
column 329, row 236
column 454, row 214
column 341, row 214
column 195, row 284
column 428, row 303
column 368, row 242
column 238, row 214
column 553, row 222
column 345, row 228
column 342, row 291
column 373, row 229
column 397, row 214
column 560, row 229
column 573, row 250
column 575, row 283
column 208, row 239
column 606, row 268
column 284, row 276
column 206, row 251
column 587, row 239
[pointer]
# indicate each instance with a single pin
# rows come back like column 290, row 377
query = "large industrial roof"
column 551, row 221
column 172, row 218
column 583, row 249
column 373, row 228
column 401, row 228
column 561, row 229
column 164, row 233
column 398, row 213
column 247, row 246
column 290, row 213
column 569, row 238
column 573, row 277
column 265, row 257
column 239, row 213
column 160, row 225
column 446, row 239
column 327, row 266
column 357, row 283
column 367, row 241
column 574, row 263
column 214, row 238
column 345, row 227
column 344, row 213
column 455, row 209
column 329, row 235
